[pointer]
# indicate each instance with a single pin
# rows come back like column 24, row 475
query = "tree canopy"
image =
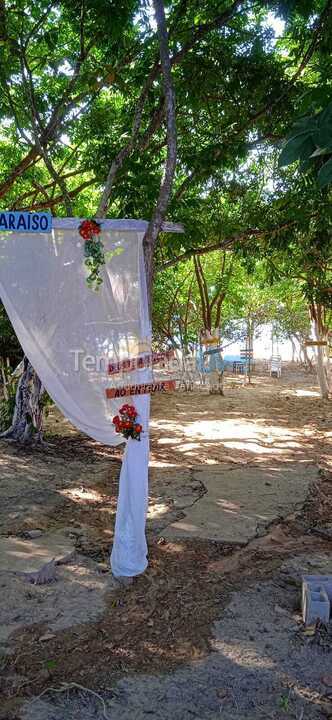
column 85, row 104
column 82, row 90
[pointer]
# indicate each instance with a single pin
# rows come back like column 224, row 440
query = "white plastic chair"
column 275, row 366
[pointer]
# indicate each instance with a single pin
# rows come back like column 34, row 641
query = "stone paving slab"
column 241, row 502
column 17, row 554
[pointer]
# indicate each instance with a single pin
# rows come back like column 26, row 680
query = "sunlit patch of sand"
column 157, row 509
column 82, row 494
column 299, row 392
column 243, row 655
column 250, row 436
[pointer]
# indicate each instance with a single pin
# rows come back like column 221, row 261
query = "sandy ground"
column 217, row 612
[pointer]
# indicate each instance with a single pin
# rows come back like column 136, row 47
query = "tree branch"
column 201, row 292
column 200, row 31
column 197, row 34
column 125, row 151
column 62, row 107
column 38, row 24
column 225, row 244
column 51, row 202
column 3, row 22
column 43, row 188
column 38, row 127
column 318, row 29
column 220, row 290
column 156, row 221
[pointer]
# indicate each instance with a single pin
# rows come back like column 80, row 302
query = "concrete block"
column 322, row 580
column 315, row 603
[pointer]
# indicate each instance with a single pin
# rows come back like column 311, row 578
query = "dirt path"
column 248, row 474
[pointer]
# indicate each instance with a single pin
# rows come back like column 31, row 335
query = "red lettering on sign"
column 139, row 362
column 144, row 389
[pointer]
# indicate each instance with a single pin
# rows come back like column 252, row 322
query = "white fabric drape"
column 69, row 332
column 129, row 552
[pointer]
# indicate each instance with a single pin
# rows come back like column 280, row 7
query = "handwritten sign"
column 139, row 362
column 26, row 222
column 315, row 343
column 213, row 351
column 143, row 389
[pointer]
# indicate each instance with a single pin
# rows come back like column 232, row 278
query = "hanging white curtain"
column 70, row 332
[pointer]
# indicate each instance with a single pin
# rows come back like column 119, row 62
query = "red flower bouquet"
column 89, row 228
column 126, row 423
column 93, row 251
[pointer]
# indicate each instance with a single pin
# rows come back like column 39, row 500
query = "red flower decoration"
column 89, row 228
column 126, row 424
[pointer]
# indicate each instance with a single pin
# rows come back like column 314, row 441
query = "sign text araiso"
column 26, row 222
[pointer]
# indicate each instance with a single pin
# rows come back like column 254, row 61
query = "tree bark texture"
column 27, row 423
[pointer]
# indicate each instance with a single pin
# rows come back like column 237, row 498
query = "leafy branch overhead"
column 151, row 109
column 99, row 99
column 310, row 143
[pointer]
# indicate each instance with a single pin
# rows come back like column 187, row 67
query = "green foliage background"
column 73, row 72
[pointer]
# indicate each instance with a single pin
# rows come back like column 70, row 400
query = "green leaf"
column 304, row 124
column 298, row 147
column 306, row 149
column 321, row 151
column 326, row 116
column 306, row 164
column 109, row 254
column 51, row 664
column 323, row 136
column 325, row 174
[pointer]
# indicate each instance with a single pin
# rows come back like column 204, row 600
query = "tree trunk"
column 216, row 382
column 249, row 344
column 27, row 423
column 152, row 233
column 306, row 359
column 303, row 352
column 322, row 362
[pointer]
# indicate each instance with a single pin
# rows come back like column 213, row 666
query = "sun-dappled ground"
column 254, row 423
column 249, row 475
